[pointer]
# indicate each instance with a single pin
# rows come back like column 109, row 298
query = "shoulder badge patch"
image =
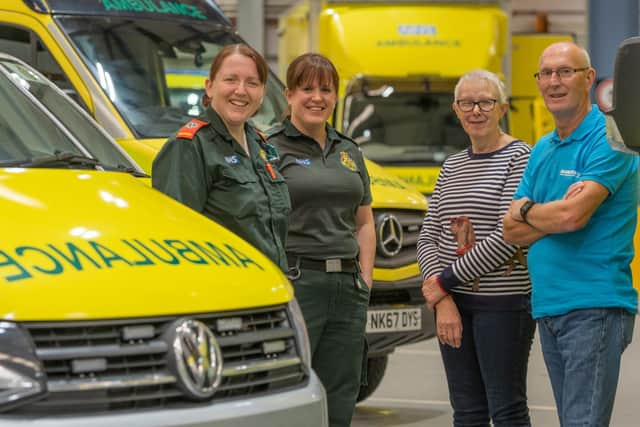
column 347, row 161
column 189, row 130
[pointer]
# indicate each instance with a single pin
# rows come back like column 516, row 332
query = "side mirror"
column 624, row 132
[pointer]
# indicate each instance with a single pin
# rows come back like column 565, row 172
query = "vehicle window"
column 27, row 46
column 19, row 138
column 46, row 138
column 154, row 71
column 404, row 127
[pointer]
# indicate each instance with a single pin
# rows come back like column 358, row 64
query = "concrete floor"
column 414, row 390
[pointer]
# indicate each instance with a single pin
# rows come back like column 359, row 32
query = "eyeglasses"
column 466, row 105
column 563, row 73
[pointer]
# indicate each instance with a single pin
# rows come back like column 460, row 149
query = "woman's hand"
column 367, row 279
column 432, row 291
column 448, row 322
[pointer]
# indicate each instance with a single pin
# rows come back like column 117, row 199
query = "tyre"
column 376, row 366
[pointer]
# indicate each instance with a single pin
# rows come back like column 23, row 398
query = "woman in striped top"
column 478, row 284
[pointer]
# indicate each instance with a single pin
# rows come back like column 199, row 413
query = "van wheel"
column 376, row 366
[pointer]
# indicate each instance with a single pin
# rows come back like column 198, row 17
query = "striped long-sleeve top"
column 478, row 189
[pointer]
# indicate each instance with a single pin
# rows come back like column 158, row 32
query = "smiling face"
column 312, row 103
column 479, row 124
column 565, row 97
column 236, row 90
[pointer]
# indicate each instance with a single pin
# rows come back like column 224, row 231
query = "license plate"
column 407, row 319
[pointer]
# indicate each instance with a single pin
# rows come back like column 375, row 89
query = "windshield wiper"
column 127, row 169
column 59, row 157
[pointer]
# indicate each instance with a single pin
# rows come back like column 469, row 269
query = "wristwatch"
column 524, row 209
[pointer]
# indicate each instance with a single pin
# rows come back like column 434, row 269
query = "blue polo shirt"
column 590, row 267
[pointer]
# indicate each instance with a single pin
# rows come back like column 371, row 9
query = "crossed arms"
column 571, row 213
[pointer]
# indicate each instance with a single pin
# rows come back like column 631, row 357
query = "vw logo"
column 389, row 235
column 197, row 360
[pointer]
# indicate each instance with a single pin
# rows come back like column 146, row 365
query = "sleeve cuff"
column 448, row 280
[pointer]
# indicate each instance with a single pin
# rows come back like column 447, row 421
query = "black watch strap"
column 524, row 209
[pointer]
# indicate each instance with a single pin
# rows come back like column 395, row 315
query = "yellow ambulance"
column 120, row 306
column 136, row 66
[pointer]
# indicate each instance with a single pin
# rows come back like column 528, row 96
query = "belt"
column 331, row 265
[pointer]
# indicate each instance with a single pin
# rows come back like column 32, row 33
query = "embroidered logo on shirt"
column 347, row 161
column 232, row 160
column 303, row 162
column 569, row 172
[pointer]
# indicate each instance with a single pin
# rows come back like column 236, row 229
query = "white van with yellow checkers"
column 120, row 306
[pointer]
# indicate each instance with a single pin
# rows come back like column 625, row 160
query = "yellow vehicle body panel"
column 525, row 54
column 185, row 81
column 389, row 191
column 388, row 275
column 422, row 178
column 121, row 233
column 142, row 151
column 345, row 36
column 526, row 102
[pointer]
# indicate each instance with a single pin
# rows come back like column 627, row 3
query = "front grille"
column 411, row 221
column 133, row 373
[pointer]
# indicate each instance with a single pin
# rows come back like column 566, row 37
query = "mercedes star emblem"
column 389, row 235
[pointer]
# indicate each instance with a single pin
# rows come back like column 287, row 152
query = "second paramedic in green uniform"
column 219, row 165
column 331, row 241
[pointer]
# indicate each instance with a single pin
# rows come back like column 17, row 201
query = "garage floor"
column 414, row 390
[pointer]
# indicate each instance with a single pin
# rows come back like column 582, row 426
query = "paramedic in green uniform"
column 219, row 166
column 331, row 241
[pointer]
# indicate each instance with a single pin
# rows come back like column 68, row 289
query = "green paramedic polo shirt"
column 203, row 167
column 326, row 189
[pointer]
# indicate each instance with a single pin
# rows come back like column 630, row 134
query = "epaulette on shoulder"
column 189, row 130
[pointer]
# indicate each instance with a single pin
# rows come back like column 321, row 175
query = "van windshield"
column 38, row 121
column 394, row 125
column 154, row 70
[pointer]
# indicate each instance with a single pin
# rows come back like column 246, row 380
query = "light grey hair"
column 489, row 77
column 585, row 56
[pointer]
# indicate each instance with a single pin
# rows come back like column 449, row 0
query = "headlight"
column 22, row 378
column 301, row 332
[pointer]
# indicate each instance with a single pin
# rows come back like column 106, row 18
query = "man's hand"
column 432, row 291
column 448, row 322
column 514, row 209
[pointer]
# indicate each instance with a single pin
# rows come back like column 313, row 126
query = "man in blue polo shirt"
column 576, row 208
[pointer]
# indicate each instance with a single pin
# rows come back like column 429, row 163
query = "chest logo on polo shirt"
column 569, row 172
column 303, row 162
column 232, row 160
column 347, row 161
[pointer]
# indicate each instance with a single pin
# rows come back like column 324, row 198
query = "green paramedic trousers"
column 334, row 306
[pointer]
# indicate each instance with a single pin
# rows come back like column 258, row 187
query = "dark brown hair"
column 310, row 67
column 244, row 50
